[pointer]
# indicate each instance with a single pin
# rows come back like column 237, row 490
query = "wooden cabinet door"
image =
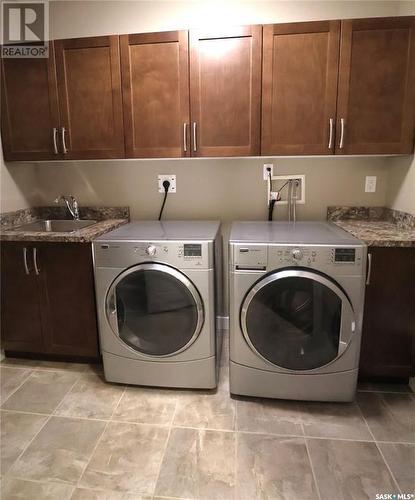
column 90, row 102
column 21, row 322
column 225, row 91
column 388, row 336
column 155, row 78
column 376, row 95
column 68, row 302
column 299, row 88
column 29, row 115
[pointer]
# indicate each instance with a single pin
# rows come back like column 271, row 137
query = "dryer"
column 158, row 292
column 296, row 307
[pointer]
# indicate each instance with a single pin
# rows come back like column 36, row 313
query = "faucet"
column 71, row 203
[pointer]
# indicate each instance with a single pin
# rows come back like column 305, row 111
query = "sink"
column 58, row 226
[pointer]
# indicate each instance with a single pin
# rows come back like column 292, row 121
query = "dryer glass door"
column 298, row 320
column 155, row 309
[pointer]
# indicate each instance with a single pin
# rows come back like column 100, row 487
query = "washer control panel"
column 336, row 259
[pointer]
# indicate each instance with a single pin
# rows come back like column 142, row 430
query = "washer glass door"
column 155, row 309
column 298, row 320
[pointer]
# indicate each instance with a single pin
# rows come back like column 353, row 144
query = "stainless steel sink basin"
column 59, row 226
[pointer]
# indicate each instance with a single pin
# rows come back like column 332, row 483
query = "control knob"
column 297, row 254
column 151, row 250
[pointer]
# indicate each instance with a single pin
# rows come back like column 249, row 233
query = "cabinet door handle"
column 26, row 267
column 63, row 133
column 194, row 137
column 55, row 140
column 37, row 270
column 185, row 137
column 342, row 127
column 331, row 130
column 369, row 268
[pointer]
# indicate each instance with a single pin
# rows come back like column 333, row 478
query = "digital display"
column 192, row 250
column 344, row 255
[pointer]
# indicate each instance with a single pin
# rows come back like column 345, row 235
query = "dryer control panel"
column 183, row 255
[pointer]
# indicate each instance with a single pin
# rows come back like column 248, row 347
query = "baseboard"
column 222, row 322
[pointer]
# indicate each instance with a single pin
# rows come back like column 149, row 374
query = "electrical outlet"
column 370, row 184
column 265, row 171
column 167, row 177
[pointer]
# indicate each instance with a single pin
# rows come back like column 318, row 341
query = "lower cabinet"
column 47, row 299
column 388, row 337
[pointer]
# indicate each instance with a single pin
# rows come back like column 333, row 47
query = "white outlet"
column 370, row 184
column 265, row 171
column 167, row 177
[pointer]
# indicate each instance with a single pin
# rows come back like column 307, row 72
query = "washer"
column 296, row 307
column 158, row 292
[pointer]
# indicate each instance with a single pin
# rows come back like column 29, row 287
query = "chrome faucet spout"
column 71, row 204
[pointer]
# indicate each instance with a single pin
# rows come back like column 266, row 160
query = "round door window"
column 158, row 310
column 294, row 321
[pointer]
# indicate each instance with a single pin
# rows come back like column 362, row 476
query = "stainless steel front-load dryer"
column 296, row 306
column 158, row 294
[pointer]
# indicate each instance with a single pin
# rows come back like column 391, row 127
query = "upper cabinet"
column 313, row 88
column 225, row 91
column 90, row 101
column 155, row 77
column 376, row 96
column 299, row 88
column 29, row 114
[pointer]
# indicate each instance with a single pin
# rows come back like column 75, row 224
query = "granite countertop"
column 376, row 226
column 108, row 219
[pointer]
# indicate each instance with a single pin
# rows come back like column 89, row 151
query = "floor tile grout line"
column 31, row 441
column 235, row 467
column 65, row 396
column 41, row 368
column 37, row 481
column 165, row 448
column 4, row 410
column 311, row 466
column 99, row 439
column 212, row 429
column 379, row 450
column 31, row 372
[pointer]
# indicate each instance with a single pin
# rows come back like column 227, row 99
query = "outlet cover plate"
column 370, row 184
column 167, row 177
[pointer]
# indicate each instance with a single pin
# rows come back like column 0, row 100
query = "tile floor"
column 66, row 434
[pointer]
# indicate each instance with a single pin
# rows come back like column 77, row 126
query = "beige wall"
column 88, row 18
column 401, row 185
column 401, row 190
column 17, row 185
column 400, row 193
column 228, row 189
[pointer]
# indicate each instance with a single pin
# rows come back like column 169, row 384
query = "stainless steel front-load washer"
column 296, row 306
column 158, row 290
